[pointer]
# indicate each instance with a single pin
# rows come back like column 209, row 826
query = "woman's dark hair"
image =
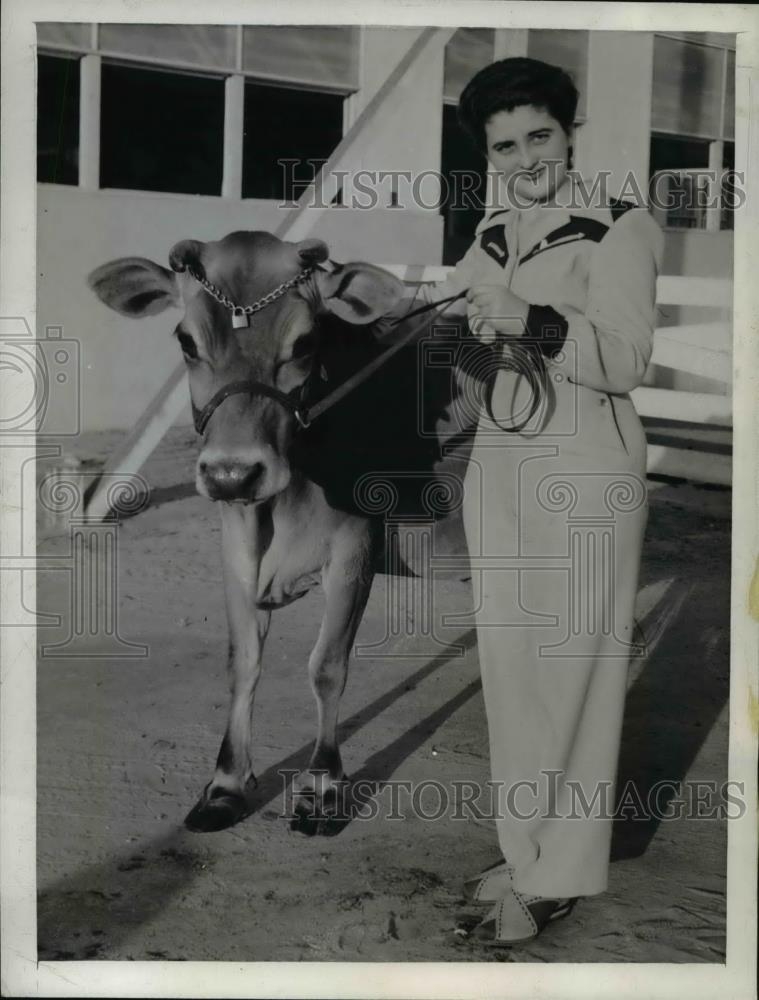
column 512, row 83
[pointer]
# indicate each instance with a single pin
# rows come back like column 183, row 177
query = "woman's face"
column 519, row 145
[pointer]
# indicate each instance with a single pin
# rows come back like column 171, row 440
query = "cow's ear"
column 359, row 293
column 135, row 286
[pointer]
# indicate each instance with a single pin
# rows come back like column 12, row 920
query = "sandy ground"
column 126, row 744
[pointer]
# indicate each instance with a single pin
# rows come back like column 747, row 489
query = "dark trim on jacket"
column 548, row 327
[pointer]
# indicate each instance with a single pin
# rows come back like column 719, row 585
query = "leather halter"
column 201, row 417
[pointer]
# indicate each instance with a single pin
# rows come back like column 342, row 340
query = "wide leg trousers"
column 554, row 526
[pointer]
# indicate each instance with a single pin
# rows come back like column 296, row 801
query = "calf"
column 289, row 512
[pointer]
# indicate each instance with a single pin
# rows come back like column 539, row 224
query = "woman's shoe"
column 517, row 917
column 490, row 884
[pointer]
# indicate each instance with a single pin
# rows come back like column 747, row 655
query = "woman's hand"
column 496, row 308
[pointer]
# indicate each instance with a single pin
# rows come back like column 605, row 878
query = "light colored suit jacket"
column 591, row 272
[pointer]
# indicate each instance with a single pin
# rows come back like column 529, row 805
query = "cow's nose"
column 232, row 480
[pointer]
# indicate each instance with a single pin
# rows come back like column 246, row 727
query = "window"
column 161, row 131
column 692, row 119
column 58, row 120
column 286, row 124
column 163, row 102
column 463, row 206
column 680, row 181
column 727, row 186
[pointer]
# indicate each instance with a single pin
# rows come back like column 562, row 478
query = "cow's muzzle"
column 244, row 481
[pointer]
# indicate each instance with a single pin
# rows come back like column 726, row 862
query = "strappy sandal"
column 489, row 884
column 516, row 918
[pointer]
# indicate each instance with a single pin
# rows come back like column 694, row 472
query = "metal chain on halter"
column 240, row 314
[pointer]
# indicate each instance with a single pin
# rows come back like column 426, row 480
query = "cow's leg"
column 223, row 801
column 347, row 580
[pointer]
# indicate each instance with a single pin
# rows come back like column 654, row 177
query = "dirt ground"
column 126, row 745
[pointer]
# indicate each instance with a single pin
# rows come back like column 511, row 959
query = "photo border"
column 21, row 974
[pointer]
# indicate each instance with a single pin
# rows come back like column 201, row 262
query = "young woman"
column 554, row 514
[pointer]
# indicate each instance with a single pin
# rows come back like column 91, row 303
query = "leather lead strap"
column 531, row 365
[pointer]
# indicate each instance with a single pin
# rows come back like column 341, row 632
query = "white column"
column 510, row 42
column 89, row 122
column 234, row 100
column 617, row 134
column 408, row 128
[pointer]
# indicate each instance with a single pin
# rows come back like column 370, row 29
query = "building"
column 148, row 134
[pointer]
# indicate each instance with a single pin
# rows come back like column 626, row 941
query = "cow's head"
column 245, row 443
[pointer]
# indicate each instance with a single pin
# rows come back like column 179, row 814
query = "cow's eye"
column 188, row 345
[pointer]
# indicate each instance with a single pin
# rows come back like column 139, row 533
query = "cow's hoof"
column 320, row 815
column 309, row 823
column 218, row 811
column 306, row 825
